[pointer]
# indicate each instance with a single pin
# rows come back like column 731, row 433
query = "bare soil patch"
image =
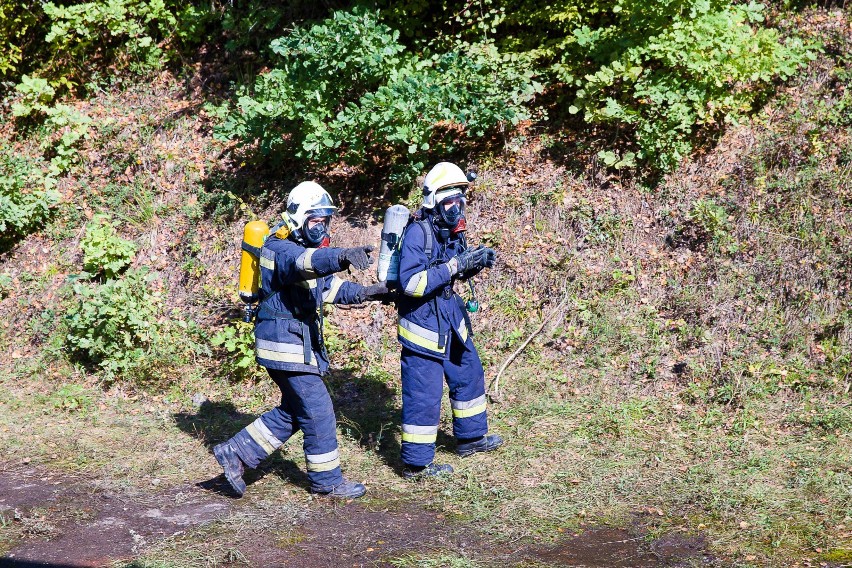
column 620, row 548
column 62, row 520
column 72, row 521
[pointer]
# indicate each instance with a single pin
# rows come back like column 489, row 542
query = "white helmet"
column 444, row 180
column 307, row 200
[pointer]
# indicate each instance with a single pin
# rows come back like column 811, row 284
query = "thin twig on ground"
column 508, row 361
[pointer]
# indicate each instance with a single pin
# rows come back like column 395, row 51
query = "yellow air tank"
column 253, row 236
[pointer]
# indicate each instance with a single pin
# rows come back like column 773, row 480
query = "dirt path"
column 51, row 519
column 63, row 520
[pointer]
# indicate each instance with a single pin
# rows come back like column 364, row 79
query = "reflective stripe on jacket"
column 428, row 309
column 295, row 282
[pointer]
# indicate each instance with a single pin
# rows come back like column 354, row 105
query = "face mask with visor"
column 318, row 234
column 451, row 212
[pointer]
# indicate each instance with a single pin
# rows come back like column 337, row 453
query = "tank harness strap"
column 427, row 248
column 391, row 239
column 306, row 342
column 427, row 232
column 251, row 249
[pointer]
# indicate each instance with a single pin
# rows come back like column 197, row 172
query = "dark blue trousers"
column 422, row 387
column 305, row 405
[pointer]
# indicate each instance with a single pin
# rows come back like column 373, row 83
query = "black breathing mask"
column 317, row 235
column 451, row 213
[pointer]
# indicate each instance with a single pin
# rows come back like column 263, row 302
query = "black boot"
column 233, row 466
column 431, row 470
column 484, row 444
column 345, row 490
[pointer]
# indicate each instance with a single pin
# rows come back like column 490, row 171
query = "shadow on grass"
column 215, row 422
column 366, row 412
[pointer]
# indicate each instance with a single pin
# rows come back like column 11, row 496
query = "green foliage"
column 710, row 217
column 114, row 325
column 665, row 73
column 68, row 127
column 347, row 90
column 16, row 27
column 103, row 250
column 666, row 69
column 237, row 342
column 26, row 193
column 128, row 30
column 35, row 93
column 71, row 398
column 5, row 284
column 65, row 126
column 70, row 43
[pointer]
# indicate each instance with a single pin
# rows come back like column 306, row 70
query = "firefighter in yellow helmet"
column 434, row 327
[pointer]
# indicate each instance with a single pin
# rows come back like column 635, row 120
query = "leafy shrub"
column 103, row 250
column 666, row 69
column 68, row 43
column 237, row 342
column 710, row 217
column 35, row 96
column 18, row 24
column 114, row 324
column 128, row 31
column 65, row 125
column 26, row 193
column 346, row 90
column 666, row 73
column 71, row 398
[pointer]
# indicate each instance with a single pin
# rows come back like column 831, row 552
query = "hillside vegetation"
column 667, row 185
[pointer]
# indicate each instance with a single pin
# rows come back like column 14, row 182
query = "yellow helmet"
column 443, row 180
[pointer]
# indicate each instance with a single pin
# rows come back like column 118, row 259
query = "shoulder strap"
column 251, row 249
column 427, row 233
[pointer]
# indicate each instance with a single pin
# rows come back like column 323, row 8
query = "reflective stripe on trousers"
column 305, row 405
column 422, row 387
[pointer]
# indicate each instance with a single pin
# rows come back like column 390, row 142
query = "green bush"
column 103, row 250
column 663, row 74
column 666, row 70
column 19, row 24
column 114, row 325
column 346, row 90
column 27, row 194
column 237, row 343
column 69, row 43
column 64, row 125
column 127, row 33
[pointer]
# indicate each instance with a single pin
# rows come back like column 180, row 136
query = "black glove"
column 359, row 257
column 473, row 260
column 379, row 291
column 490, row 258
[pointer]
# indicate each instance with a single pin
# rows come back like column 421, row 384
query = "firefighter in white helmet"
column 297, row 276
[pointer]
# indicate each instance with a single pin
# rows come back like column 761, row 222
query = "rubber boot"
column 233, row 466
column 484, row 444
column 431, row 470
column 345, row 490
